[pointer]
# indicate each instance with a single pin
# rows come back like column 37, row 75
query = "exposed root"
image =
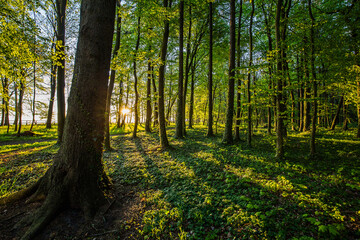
column 45, row 213
column 22, row 194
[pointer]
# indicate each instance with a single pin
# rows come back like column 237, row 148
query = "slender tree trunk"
column 136, row 105
column 313, row 75
column 118, row 123
column 5, row 114
column 21, row 96
column 107, row 145
column 16, row 107
column 192, row 89
column 60, row 54
column 162, row 121
column 228, row 138
column 280, row 76
column 34, row 98
column 345, row 114
column 148, row 97
column 238, row 92
column 155, row 97
column 333, row 124
column 187, row 68
column 52, row 95
column 249, row 122
column 180, row 101
column 210, row 132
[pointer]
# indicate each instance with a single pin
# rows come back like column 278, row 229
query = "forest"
column 180, row 119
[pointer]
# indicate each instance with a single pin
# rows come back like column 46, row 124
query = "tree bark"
column 16, row 119
column 180, row 101
column 228, row 138
column 34, row 97
column 77, row 177
column 60, row 55
column 107, row 144
column 210, row 131
column 164, row 143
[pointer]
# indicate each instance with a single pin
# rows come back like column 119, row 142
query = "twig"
column 104, row 233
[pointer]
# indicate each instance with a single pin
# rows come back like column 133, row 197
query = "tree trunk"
column 136, row 105
column 5, row 114
column 107, row 145
column 280, row 79
column 345, row 114
column 228, row 138
column 192, row 89
column 52, row 95
column 180, row 101
column 337, row 113
column 155, row 97
column 60, row 56
column 16, row 107
column 77, row 177
column 238, row 92
column 187, row 68
column 164, row 143
column 313, row 75
column 210, row 132
column 34, row 97
column 21, row 96
column 249, row 130
column 148, row 97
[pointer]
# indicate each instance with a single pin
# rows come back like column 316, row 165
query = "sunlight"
column 125, row 111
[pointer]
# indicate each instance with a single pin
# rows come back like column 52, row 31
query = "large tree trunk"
column 210, row 131
column 76, row 177
column 238, row 92
column 164, row 143
column 228, row 138
column 179, row 132
column 52, row 95
column 107, row 145
column 249, row 130
column 155, row 97
column 136, row 105
column 60, row 55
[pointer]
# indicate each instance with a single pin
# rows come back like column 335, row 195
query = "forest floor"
column 202, row 189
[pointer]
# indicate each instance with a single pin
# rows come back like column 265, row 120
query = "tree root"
column 22, row 194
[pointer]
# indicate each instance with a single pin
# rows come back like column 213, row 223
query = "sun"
column 125, row 111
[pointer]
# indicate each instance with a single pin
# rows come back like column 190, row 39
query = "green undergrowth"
column 202, row 189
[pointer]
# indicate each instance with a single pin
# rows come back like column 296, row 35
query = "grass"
column 202, row 189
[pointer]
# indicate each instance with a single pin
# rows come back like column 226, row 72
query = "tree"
column 112, row 79
column 136, row 105
column 180, row 101
column 210, row 132
column 164, row 143
column 60, row 55
column 227, row 137
column 77, row 177
column 249, row 130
